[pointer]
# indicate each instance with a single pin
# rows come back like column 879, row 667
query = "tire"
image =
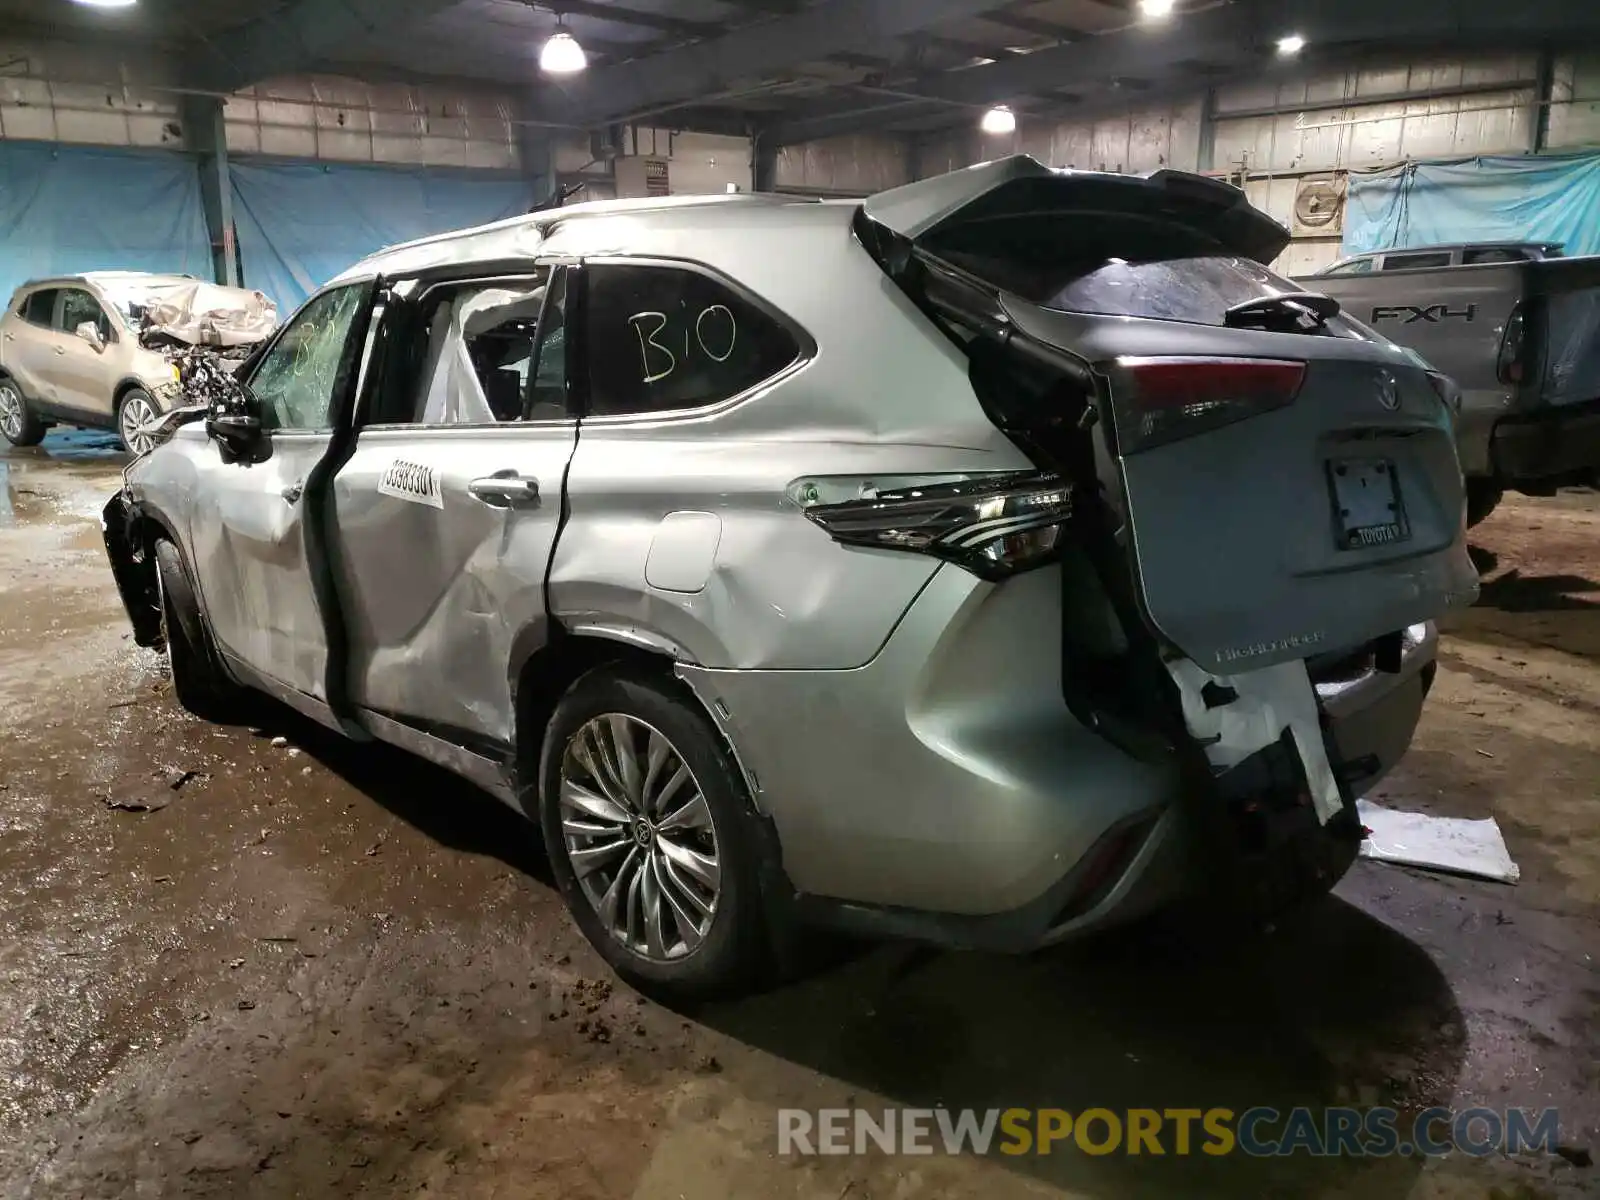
column 136, row 408
column 198, row 679
column 19, row 425
column 1483, row 498
column 687, row 954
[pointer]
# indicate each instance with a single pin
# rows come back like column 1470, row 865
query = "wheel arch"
column 543, row 675
column 128, row 384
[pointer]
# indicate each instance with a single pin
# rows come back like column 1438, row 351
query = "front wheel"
column 18, row 424
column 651, row 839
column 136, row 410
column 198, row 680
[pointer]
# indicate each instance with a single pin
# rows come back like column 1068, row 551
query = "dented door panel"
column 440, row 586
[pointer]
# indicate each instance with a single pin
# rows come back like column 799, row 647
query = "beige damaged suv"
column 96, row 350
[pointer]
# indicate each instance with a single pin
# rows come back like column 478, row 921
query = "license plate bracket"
column 1367, row 508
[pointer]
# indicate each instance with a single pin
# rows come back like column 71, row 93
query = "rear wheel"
column 136, row 410
column 651, row 837
column 198, row 679
column 18, row 424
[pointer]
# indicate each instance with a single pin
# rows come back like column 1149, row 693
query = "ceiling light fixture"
column 107, row 3
column 562, row 55
column 999, row 120
column 1156, row 10
column 1291, row 45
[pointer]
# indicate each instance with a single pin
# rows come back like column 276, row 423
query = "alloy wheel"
column 12, row 414
column 137, row 412
column 640, row 837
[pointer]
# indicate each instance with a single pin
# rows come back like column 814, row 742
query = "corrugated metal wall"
column 345, row 120
column 857, row 165
column 1288, row 142
column 59, row 92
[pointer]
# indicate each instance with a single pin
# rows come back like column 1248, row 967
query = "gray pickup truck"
column 1517, row 327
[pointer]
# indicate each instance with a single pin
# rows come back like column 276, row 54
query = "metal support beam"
column 751, row 51
column 536, row 149
column 1206, row 156
column 205, row 136
column 302, row 34
column 1237, row 36
column 764, row 161
column 1544, row 96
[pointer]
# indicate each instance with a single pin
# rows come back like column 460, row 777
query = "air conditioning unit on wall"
column 1319, row 206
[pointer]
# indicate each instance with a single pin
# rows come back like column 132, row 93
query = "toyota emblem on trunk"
column 1389, row 391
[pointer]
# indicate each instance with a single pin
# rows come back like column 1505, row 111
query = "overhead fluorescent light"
column 1291, row 45
column 562, row 55
column 107, row 3
column 999, row 120
column 1156, row 10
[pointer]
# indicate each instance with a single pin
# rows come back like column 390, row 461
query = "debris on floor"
column 1451, row 844
column 152, row 795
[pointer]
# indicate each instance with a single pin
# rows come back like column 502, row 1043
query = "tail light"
column 994, row 526
column 1160, row 400
column 1512, row 364
column 1449, row 394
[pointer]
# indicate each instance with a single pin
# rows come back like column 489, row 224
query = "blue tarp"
column 1549, row 198
column 300, row 224
column 66, row 209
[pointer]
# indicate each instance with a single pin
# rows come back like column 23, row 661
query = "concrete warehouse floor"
column 333, row 971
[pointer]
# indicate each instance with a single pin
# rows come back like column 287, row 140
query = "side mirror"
column 239, row 435
column 171, row 421
column 90, row 332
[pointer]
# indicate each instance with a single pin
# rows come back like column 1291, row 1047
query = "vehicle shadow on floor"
column 1339, row 1009
column 1514, row 592
column 437, row 803
column 1334, row 1009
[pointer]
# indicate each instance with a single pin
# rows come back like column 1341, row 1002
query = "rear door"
column 448, row 509
column 31, row 345
column 1289, row 484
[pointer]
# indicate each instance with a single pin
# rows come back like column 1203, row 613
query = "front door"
column 448, row 510
column 255, row 574
column 82, row 372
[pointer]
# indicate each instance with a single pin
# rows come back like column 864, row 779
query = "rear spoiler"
column 1018, row 191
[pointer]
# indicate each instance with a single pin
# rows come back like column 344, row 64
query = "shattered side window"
column 295, row 380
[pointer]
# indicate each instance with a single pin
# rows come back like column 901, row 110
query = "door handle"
column 506, row 489
column 62, row 351
column 292, row 493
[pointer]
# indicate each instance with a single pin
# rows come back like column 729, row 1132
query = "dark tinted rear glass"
column 1199, row 290
column 1415, row 262
column 40, row 307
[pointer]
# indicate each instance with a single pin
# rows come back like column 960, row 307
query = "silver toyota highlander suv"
column 987, row 563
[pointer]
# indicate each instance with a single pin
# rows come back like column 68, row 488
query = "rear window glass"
column 1199, row 290
column 1415, row 262
column 40, row 308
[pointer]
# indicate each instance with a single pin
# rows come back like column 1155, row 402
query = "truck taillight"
column 1160, row 400
column 994, row 526
column 1512, row 365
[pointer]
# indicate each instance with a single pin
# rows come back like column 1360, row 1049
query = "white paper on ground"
column 1269, row 701
column 1437, row 843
